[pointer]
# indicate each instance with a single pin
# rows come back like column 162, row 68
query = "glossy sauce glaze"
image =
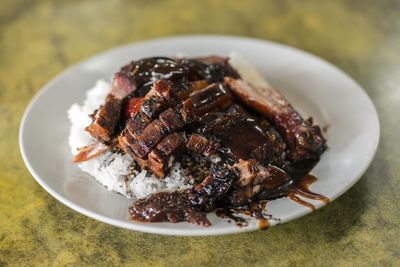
column 301, row 187
column 258, row 209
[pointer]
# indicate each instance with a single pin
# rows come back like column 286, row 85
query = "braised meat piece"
column 171, row 207
column 157, row 99
column 108, row 115
column 151, row 136
column 224, row 187
column 215, row 96
column 240, row 137
column 211, row 190
column 129, row 145
column 137, row 124
column 144, row 72
column 254, row 178
column 172, row 120
column 186, row 111
column 125, row 83
column 142, row 132
column 167, row 152
column 305, row 141
column 202, row 145
column 145, row 136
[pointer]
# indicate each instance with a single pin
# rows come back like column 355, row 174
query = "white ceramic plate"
column 312, row 85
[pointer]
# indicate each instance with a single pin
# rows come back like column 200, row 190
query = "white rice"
column 115, row 171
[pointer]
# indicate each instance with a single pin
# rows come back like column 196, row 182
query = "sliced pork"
column 305, row 141
column 108, row 115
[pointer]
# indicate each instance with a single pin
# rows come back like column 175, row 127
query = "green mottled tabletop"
column 38, row 39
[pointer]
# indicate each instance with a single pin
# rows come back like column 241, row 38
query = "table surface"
column 38, row 39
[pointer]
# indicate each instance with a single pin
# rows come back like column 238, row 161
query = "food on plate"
column 187, row 136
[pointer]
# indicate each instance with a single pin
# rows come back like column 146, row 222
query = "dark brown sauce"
column 263, row 224
column 233, row 131
column 258, row 209
column 255, row 210
column 167, row 206
column 298, row 200
column 301, row 187
column 230, row 215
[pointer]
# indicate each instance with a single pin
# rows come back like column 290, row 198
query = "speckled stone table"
column 38, row 39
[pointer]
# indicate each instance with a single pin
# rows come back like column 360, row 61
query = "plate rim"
column 184, row 232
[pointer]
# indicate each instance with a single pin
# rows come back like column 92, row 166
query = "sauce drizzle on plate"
column 301, row 187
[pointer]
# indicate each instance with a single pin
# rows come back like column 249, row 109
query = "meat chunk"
column 187, row 111
column 214, row 96
column 151, row 136
column 253, row 179
column 126, row 142
column 162, row 88
column 171, row 120
column 157, row 99
column 240, row 137
column 107, row 116
column 305, row 141
column 214, row 187
column 144, row 131
column 165, row 154
column 153, row 106
column 171, row 143
column 105, row 119
column 202, row 145
column 137, row 124
column 146, row 136
column 168, row 206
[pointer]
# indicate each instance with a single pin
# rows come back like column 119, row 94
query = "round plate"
column 312, row 85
